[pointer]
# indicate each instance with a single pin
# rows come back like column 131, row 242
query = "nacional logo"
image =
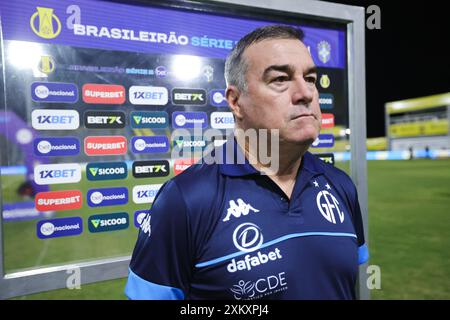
column 150, row 144
column 57, row 173
column 325, row 81
column 182, row 164
column 108, row 222
column 326, row 101
column 106, row 171
column 45, row 23
column 329, row 206
column 247, row 237
column 151, row 169
column 53, row 119
column 47, row 65
column 105, row 145
column 222, row 120
column 188, row 96
column 52, row 92
column 189, row 120
column 104, row 119
column 324, row 51
column 58, row 200
column 146, row 95
column 323, row 141
column 238, row 209
column 140, row 217
column 54, row 147
column 103, row 93
column 327, row 120
column 61, row 227
column 107, row 197
column 161, row 72
column 217, row 98
column 149, row 119
column 145, row 193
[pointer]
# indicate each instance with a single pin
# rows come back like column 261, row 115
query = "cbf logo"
column 324, row 51
column 247, row 237
column 45, row 23
column 329, row 206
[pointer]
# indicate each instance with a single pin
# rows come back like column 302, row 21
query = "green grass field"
column 409, row 235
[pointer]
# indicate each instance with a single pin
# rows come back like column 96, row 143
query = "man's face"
column 281, row 91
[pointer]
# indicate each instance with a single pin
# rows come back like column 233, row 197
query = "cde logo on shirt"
column 104, row 119
column 55, row 119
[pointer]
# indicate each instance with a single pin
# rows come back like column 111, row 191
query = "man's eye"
column 311, row 79
column 280, row 79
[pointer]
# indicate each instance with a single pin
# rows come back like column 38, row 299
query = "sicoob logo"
column 106, row 171
column 149, row 119
column 108, row 222
column 103, row 93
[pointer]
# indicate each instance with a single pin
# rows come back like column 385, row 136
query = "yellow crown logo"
column 45, row 28
column 325, row 81
column 46, row 65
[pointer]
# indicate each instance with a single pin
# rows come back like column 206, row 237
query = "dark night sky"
column 408, row 57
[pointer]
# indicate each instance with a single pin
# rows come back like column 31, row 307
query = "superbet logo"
column 59, row 200
column 327, row 120
column 103, row 93
column 182, row 164
column 105, row 145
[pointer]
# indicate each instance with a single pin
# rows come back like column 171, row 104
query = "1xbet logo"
column 57, row 173
column 145, row 193
column 104, row 119
column 52, row 119
column 188, row 96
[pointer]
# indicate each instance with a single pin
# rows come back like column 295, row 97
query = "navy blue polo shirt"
column 225, row 231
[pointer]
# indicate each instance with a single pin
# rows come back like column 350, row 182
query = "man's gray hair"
column 236, row 66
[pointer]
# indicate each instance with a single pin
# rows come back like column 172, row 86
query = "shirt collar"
column 235, row 163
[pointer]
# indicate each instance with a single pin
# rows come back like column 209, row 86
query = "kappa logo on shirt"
column 236, row 210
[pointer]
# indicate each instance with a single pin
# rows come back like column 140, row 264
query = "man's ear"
column 232, row 95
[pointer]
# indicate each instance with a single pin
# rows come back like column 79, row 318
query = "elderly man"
column 248, row 230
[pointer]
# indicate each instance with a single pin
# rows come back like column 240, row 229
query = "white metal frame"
column 44, row 279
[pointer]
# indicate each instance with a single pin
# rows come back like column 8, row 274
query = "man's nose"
column 303, row 92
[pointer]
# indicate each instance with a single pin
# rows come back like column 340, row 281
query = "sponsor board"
column 56, row 146
column 189, row 120
column 145, row 193
column 323, row 141
column 150, row 144
column 61, row 227
column 222, row 120
column 104, row 119
column 59, row 200
column 327, row 120
column 107, row 197
column 183, row 143
column 151, row 169
column 185, row 96
column 139, row 217
column 103, row 93
column 147, row 95
column 57, row 173
column 217, row 98
column 182, row 164
column 106, row 171
column 54, row 92
column 326, row 101
column 326, row 157
column 53, row 119
column 149, row 119
column 105, row 145
column 108, row 222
